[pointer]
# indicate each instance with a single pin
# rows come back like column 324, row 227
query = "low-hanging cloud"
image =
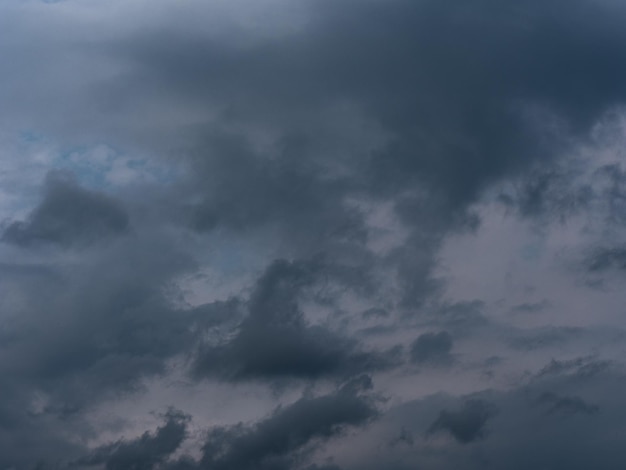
column 275, row 341
column 68, row 215
column 345, row 187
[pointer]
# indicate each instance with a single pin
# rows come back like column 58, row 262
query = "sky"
column 312, row 234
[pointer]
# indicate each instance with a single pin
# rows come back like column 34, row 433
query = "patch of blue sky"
column 99, row 166
column 104, row 167
column 25, row 159
column 27, row 156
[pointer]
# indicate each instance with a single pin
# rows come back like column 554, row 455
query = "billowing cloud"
column 465, row 425
column 275, row 442
column 432, row 348
column 69, row 214
column 560, row 404
column 145, row 452
column 274, row 340
column 247, row 205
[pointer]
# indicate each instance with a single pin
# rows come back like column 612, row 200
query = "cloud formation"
column 226, row 213
column 432, row 348
column 67, row 215
column 274, row 443
column 274, row 340
column 145, row 452
column 465, row 425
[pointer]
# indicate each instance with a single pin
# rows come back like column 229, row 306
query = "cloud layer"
column 312, row 235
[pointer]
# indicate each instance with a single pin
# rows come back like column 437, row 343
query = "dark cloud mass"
column 274, row 443
column 432, row 348
column 145, row 452
column 274, row 340
column 566, row 405
column 607, row 258
column 312, row 234
column 69, row 214
column 465, row 425
column 524, row 427
column 280, row 441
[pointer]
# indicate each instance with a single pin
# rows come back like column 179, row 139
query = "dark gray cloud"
column 550, row 194
column 545, row 337
column 20, row 427
column 465, row 425
column 560, row 190
column 531, row 307
column 355, row 139
column 455, row 101
column 274, row 340
column 577, row 367
column 142, row 453
column 607, row 258
column 432, row 349
column 80, row 333
column 244, row 189
column 69, row 214
column 283, row 440
column 273, row 441
column 518, row 428
column 375, row 313
column 565, row 405
column 459, row 316
column 131, row 326
column 431, row 70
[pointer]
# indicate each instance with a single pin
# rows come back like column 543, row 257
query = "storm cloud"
column 297, row 235
column 274, row 339
column 432, row 348
column 144, row 452
column 466, row 424
column 69, row 214
column 274, row 442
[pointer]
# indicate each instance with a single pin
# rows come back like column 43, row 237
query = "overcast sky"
column 312, row 234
